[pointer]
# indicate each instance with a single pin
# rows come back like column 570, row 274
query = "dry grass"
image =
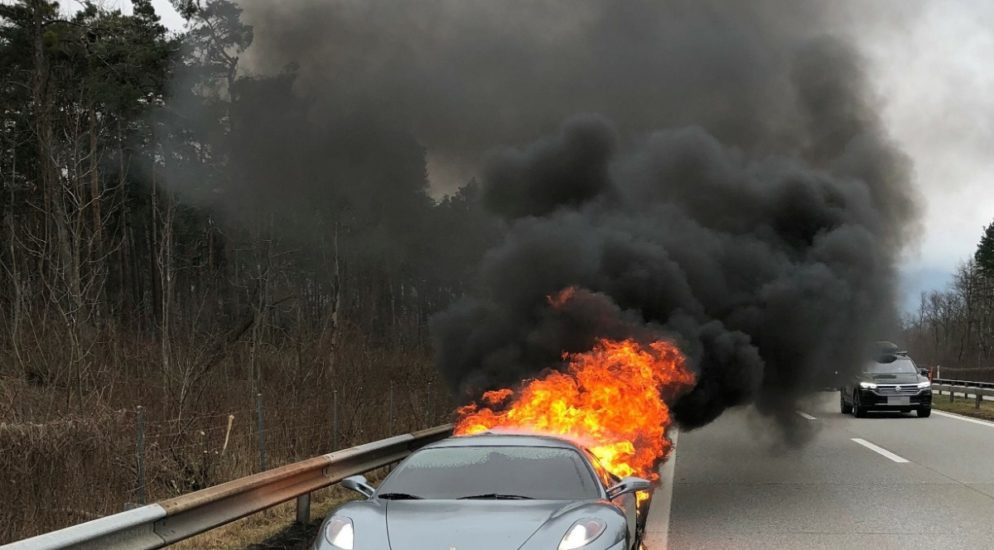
column 268, row 525
column 964, row 406
column 66, row 467
column 47, row 466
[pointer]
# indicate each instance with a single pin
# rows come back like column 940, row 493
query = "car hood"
column 469, row 524
column 901, row 378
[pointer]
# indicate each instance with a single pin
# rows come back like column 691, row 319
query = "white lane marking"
column 964, row 418
column 805, row 415
column 657, row 525
column 880, row 450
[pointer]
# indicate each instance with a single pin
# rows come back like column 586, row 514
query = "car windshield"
column 546, row 473
column 897, row 366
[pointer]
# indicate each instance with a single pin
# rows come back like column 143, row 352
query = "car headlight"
column 923, row 385
column 868, row 385
column 582, row 533
column 340, row 533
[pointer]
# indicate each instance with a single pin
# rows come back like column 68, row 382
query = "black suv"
column 891, row 382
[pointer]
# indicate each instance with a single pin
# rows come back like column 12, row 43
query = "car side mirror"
column 628, row 485
column 359, row 484
column 923, row 372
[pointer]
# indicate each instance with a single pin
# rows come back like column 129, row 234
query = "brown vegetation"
column 954, row 328
column 77, row 466
column 151, row 256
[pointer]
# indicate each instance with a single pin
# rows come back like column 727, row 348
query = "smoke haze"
column 712, row 171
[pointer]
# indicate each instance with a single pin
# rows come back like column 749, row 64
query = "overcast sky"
column 930, row 62
column 165, row 9
column 934, row 71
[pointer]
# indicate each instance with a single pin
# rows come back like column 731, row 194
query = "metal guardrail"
column 971, row 374
column 965, row 387
column 967, row 383
column 175, row 519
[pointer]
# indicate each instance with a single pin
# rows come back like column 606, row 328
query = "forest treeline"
column 181, row 235
column 954, row 328
column 171, row 219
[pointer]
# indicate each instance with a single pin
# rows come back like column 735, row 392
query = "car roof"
column 504, row 439
column 884, row 352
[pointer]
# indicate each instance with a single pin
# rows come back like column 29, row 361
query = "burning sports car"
column 491, row 491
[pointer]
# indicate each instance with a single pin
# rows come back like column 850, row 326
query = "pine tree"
column 984, row 256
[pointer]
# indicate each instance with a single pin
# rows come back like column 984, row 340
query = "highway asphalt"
column 887, row 481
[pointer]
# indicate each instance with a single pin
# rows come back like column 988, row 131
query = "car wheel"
column 924, row 412
column 857, row 410
column 846, row 409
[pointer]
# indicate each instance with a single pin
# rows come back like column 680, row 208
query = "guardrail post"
column 262, row 433
column 140, row 451
column 980, row 398
column 952, row 393
column 304, row 509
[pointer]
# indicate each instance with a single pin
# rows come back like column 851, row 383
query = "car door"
column 628, row 503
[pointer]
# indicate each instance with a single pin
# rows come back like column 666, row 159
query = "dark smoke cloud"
column 772, row 272
column 735, row 189
column 567, row 169
column 465, row 76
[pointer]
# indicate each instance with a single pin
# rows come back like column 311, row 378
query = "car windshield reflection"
column 497, row 473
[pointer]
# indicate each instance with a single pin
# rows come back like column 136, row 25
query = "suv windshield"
column 546, row 473
column 898, row 366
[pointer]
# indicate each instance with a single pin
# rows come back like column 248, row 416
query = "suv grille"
column 898, row 389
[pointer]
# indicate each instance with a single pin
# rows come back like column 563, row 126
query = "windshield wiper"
column 399, row 496
column 496, row 496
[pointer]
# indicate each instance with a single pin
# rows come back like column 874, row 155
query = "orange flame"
column 610, row 400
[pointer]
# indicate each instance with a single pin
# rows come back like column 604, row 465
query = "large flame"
column 612, row 400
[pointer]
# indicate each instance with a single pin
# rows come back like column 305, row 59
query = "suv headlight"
column 868, row 385
column 923, row 385
column 340, row 533
column 582, row 533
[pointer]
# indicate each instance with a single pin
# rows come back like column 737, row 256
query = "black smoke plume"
column 735, row 187
column 772, row 270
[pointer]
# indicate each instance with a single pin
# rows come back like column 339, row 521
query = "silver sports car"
column 490, row 492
